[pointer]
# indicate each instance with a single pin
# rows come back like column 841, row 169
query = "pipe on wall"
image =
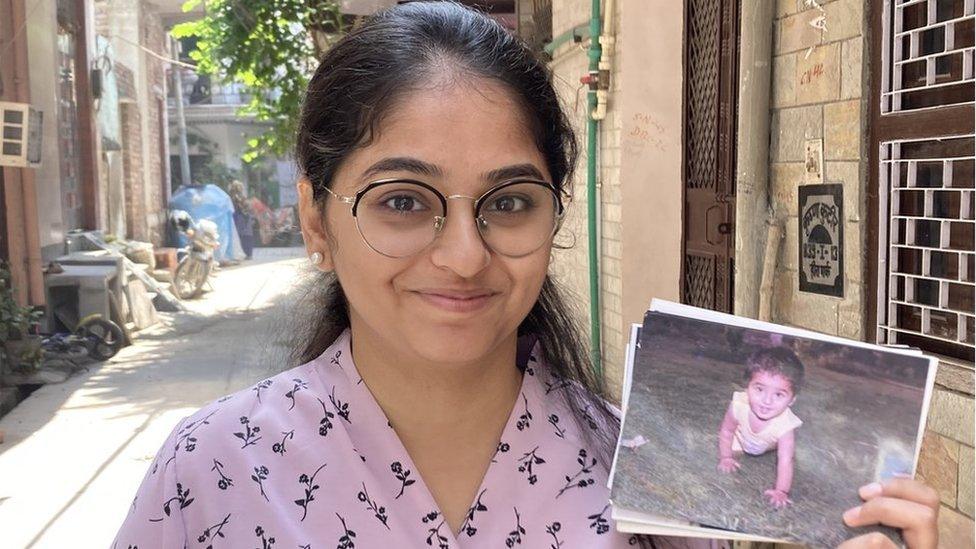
column 592, row 126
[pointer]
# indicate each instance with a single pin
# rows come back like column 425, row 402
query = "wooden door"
column 711, row 80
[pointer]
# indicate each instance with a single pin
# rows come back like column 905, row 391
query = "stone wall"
column 820, row 90
column 818, row 79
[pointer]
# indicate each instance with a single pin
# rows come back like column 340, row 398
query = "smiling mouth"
column 457, row 302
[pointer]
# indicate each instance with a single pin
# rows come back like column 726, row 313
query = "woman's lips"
column 456, row 302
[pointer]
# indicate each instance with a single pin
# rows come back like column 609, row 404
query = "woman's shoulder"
column 247, row 417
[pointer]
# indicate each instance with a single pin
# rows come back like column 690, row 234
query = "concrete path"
column 75, row 452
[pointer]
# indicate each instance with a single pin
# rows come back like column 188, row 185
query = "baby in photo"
column 759, row 419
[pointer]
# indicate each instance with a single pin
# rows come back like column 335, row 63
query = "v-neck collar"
column 339, row 356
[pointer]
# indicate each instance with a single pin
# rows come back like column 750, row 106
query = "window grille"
column 927, row 54
column 927, row 276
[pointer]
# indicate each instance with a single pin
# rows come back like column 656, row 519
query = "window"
column 924, row 173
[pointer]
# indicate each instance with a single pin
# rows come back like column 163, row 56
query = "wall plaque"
column 821, row 243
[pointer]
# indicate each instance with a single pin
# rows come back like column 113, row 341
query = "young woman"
column 444, row 397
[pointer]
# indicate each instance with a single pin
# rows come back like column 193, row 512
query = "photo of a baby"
column 761, row 432
column 759, row 419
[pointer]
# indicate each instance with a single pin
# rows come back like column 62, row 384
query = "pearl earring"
column 316, row 258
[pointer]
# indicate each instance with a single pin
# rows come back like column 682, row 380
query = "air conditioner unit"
column 20, row 135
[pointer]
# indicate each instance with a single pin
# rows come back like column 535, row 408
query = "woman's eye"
column 508, row 204
column 403, row 203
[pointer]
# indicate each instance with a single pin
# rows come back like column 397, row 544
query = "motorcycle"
column 196, row 260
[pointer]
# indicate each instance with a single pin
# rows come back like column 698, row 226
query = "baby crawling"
column 759, row 419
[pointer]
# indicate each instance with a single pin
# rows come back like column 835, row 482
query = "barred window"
column 929, row 212
column 928, row 54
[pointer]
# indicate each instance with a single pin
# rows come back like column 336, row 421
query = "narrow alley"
column 88, row 441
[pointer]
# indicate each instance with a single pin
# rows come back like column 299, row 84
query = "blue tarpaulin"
column 210, row 202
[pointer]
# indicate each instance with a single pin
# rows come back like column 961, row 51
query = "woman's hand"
column 901, row 503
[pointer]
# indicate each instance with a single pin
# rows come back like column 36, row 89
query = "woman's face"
column 455, row 301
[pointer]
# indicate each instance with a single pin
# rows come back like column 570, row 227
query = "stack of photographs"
column 740, row 429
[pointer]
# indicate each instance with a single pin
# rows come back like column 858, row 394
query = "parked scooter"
column 196, row 260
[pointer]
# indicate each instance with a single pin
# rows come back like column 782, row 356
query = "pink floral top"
column 308, row 459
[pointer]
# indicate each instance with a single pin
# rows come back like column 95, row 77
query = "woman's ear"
column 312, row 221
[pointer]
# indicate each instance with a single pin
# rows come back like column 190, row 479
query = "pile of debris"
column 124, row 281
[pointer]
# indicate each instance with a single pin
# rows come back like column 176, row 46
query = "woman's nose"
column 458, row 246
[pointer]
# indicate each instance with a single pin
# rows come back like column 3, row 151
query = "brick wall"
column 820, row 90
column 132, row 159
column 571, row 266
column 154, row 38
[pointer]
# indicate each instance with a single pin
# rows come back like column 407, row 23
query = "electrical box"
column 20, row 135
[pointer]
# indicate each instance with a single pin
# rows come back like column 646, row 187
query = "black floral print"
column 266, row 542
column 346, row 540
column 213, row 531
column 224, row 481
column 187, row 439
column 298, row 386
column 342, row 408
column 325, row 424
column 527, row 462
column 259, row 476
column 515, row 536
column 581, row 478
column 378, row 510
column 553, row 530
column 279, row 447
column 310, row 487
column 554, row 421
column 194, row 495
column 524, row 420
column 182, row 497
column 468, row 525
column 250, row 434
column 598, row 522
column 401, row 474
column 262, row 386
column 434, row 532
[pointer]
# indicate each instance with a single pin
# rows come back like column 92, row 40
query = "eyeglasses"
column 400, row 217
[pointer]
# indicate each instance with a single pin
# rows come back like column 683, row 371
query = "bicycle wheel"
column 104, row 337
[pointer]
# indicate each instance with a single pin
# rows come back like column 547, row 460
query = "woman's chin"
column 455, row 344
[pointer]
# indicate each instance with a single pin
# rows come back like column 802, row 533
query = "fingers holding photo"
column 901, row 503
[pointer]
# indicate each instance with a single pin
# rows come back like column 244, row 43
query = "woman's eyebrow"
column 514, row 171
column 403, row 164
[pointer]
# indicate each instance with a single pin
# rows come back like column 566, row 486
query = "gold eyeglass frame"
column 480, row 222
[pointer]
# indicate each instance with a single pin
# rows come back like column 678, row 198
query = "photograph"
column 760, row 432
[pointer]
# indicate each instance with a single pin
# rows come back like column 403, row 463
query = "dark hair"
column 359, row 81
column 777, row 360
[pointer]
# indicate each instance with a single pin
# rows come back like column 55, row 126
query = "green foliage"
column 271, row 47
column 15, row 320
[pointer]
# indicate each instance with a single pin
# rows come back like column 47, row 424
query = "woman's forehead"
column 469, row 131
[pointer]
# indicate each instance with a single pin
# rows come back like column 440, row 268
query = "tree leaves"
column 272, row 47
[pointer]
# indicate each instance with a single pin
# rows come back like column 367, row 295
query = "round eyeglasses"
column 400, row 217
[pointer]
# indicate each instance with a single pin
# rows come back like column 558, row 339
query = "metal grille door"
column 711, row 74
